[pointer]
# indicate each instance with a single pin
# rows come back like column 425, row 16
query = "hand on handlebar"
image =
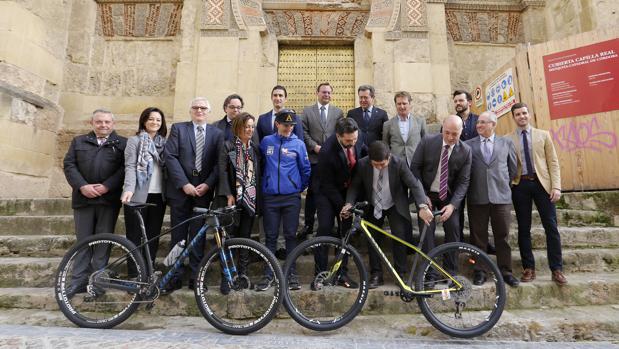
column 345, row 213
column 426, row 215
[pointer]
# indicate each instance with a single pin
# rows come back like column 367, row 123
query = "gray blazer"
column 405, row 149
column 314, row 131
column 490, row 182
column 140, row 194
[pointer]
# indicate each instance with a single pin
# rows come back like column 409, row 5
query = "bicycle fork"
column 228, row 266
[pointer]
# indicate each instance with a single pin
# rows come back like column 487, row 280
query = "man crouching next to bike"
column 384, row 179
column 95, row 168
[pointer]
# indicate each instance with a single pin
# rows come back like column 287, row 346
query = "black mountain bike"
column 110, row 294
column 440, row 281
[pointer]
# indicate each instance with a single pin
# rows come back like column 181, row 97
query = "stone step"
column 64, row 224
column 39, row 271
column 573, row 323
column 35, row 207
column 582, row 289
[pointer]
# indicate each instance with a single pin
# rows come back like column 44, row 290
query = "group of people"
column 263, row 165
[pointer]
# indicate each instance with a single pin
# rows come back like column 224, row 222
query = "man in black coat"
column 385, row 180
column 94, row 168
column 369, row 118
column 336, row 165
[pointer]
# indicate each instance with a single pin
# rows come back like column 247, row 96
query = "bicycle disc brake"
column 321, row 280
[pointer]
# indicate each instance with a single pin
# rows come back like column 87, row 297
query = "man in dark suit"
column 336, row 165
column 94, row 168
column 191, row 154
column 493, row 167
column 443, row 164
column 462, row 103
column 266, row 122
column 318, row 124
column 233, row 105
column 384, row 180
column 369, row 118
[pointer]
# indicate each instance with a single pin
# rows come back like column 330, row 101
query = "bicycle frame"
column 365, row 226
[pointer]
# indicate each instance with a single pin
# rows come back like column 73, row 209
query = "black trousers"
column 327, row 214
column 400, row 227
column 310, row 199
column 244, row 223
column 153, row 220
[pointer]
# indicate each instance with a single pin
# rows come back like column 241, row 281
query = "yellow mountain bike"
column 442, row 284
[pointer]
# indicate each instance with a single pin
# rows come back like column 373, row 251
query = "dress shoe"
column 304, row 233
column 170, row 287
column 558, row 277
column 511, row 280
column 191, row 284
column 345, row 281
column 528, row 275
column 75, row 289
column 491, row 249
column 375, row 281
column 281, row 254
column 479, row 278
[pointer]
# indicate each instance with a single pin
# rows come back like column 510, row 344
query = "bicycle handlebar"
column 356, row 208
column 217, row 212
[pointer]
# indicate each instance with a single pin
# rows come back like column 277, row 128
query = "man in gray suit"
column 403, row 132
column 493, row 167
column 443, row 164
column 318, row 124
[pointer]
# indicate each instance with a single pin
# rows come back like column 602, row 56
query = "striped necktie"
column 199, row 148
column 442, row 192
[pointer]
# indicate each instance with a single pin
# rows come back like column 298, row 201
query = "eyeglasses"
column 235, row 107
column 483, row 122
column 196, row 108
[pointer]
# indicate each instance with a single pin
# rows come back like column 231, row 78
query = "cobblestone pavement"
column 284, row 334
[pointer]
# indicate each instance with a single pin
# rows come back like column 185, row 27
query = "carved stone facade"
column 489, row 27
column 139, row 19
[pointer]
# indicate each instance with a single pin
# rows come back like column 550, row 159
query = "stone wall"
column 33, row 37
column 568, row 17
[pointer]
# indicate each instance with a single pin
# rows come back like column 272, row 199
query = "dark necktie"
column 378, row 201
column 486, row 150
column 442, row 191
column 228, row 133
column 527, row 155
column 323, row 115
column 366, row 116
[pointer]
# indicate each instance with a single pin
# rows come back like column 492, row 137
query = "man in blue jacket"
column 285, row 176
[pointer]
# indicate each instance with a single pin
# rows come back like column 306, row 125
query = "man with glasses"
column 233, row 105
column 190, row 155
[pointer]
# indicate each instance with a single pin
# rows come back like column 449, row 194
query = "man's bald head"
column 452, row 128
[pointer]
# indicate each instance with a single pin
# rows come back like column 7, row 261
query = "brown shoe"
column 558, row 277
column 528, row 275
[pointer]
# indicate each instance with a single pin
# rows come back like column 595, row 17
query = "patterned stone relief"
column 339, row 24
column 382, row 13
column 413, row 16
column 504, row 27
column 216, row 14
column 137, row 19
column 251, row 11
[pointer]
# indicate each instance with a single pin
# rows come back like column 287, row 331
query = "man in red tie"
column 336, row 165
column 442, row 163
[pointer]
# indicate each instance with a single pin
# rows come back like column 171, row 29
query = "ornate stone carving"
column 490, row 5
column 383, row 13
column 414, row 15
column 139, row 18
column 334, row 24
column 216, row 14
column 489, row 26
column 251, row 11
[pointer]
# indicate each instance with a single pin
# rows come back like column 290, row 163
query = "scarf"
column 146, row 148
column 245, row 177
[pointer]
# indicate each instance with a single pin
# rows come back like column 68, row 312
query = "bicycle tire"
column 244, row 309
column 327, row 306
column 111, row 306
column 480, row 306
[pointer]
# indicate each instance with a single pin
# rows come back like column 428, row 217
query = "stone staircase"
column 35, row 233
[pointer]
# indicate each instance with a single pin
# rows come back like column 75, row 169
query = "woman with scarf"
column 144, row 178
column 239, row 176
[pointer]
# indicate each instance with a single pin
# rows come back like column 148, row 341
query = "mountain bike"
column 107, row 296
column 440, row 281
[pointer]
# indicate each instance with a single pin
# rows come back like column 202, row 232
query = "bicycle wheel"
column 239, row 307
column 321, row 304
column 93, row 287
column 470, row 311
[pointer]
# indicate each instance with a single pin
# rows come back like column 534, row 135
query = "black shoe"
column 375, row 281
column 491, row 249
column 281, row 254
column 293, row 282
column 511, row 280
column 94, row 293
column 75, row 289
column 345, row 281
column 479, row 278
column 302, row 235
column 264, row 283
column 224, row 287
column 170, row 287
column 191, row 284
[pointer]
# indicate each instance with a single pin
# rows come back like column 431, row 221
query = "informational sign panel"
column 583, row 80
column 500, row 93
